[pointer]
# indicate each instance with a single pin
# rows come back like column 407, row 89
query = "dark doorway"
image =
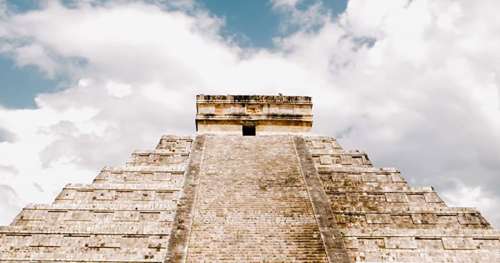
column 248, row 130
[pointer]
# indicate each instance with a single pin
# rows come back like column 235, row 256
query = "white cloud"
column 464, row 196
column 297, row 17
column 9, row 205
column 3, row 8
column 118, row 90
column 414, row 83
column 36, row 55
column 284, row 3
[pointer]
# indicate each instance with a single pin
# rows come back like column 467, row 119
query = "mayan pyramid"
column 251, row 186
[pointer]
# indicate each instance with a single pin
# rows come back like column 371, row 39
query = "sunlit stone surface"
column 279, row 196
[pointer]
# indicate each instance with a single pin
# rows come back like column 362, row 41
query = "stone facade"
column 267, row 114
column 220, row 197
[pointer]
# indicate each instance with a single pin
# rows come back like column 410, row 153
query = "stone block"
column 469, row 219
column 432, row 198
column 367, row 244
column 400, row 243
column 459, row 243
column 429, row 243
column 396, row 197
column 378, row 219
column 488, row 243
column 424, row 218
column 325, row 159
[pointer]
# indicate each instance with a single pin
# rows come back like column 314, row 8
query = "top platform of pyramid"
column 253, row 115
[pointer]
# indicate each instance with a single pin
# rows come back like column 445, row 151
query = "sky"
column 414, row 83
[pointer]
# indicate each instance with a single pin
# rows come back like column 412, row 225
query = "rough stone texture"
column 125, row 215
column 383, row 219
column 184, row 216
column 330, row 233
column 271, row 198
column 252, row 204
column 268, row 114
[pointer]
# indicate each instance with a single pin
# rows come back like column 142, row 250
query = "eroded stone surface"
column 265, row 114
column 233, row 198
column 252, row 204
column 125, row 215
column 383, row 219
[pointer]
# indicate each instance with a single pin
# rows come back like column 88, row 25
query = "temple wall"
column 268, row 114
column 261, row 127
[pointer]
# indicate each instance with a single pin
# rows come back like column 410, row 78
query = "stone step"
column 429, row 233
column 341, row 158
column 424, row 244
column 362, row 173
column 252, row 203
column 118, row 193
column 426, row 255
column 322, row 144
column 370, row 175
column 106, row 207
column 122, row 186
column 101, row 229
column 157, row 157
column 159, row 152
column 67, row 217
column 354, row 186
column 431, row 245
column 415, row 219
column 110, row 202
column 175, row 178
column 98, row 252
column 145, row 169
column 175, row 143
column 83, row 240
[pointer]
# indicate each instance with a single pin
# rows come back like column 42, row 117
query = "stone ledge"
column 159, row 187
column 146, row 168
column 424, row 233
column 258, row 99
column 115, row 207
column 142, row 230
column 162, row 152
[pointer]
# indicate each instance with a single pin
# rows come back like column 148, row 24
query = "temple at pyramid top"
column 253, row 114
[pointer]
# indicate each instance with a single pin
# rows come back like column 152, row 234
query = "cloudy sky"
column 416, row 84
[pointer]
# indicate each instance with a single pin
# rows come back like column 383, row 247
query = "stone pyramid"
column 279, row 196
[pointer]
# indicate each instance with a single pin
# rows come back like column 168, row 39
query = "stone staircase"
column 252, row 205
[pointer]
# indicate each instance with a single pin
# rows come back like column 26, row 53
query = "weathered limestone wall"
column 219, row 127
column 125, row 215
column 383, row 219
column 269, row 114
column 262, row 128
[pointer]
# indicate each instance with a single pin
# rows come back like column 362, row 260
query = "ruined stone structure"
column 280, row 196
column 253, row 114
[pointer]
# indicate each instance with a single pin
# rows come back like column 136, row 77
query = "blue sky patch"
column 251, row 24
